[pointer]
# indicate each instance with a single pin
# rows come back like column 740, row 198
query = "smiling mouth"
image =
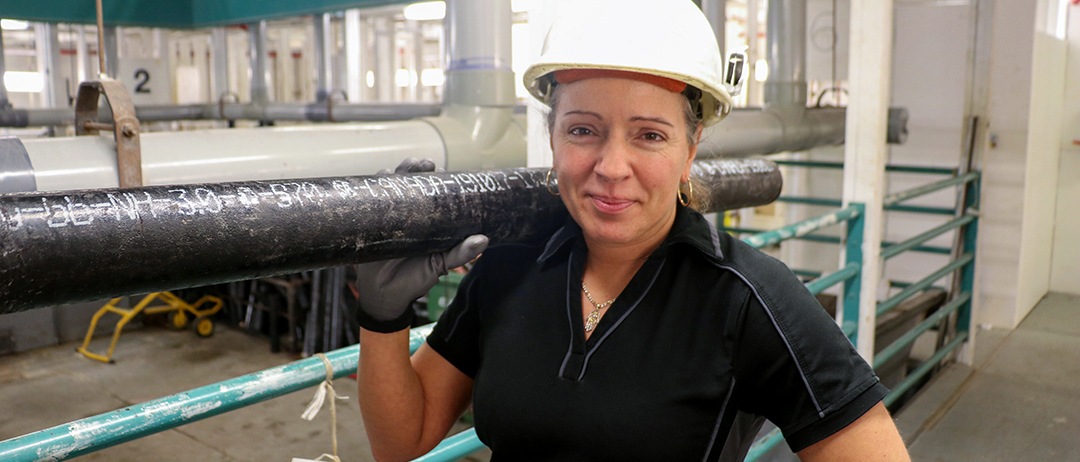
column 610, row 204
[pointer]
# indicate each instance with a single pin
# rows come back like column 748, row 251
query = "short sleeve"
column 795, row 367
column 456, row 337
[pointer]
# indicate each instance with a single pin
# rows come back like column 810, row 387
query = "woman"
column 636, row 331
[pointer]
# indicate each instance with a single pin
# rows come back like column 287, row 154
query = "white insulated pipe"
column 219, row 41
column 111, row 48
column 354, row 49
column 476, row 36
column 785, row 44
column 477, row 122
column 4, row 104
column 258, row 55
column 212, row 156
column 478, row 50
column 384, row 59
column 322, row 56
column 749, row 132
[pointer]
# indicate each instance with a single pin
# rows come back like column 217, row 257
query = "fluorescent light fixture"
column 432, row 77
column 14, row 24
column 370, row 79
column 401, row 77
column 520, row 5
column 761, row 70
column 425, row 11
column 24, row 82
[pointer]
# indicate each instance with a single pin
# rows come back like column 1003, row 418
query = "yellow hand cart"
column 180, row 312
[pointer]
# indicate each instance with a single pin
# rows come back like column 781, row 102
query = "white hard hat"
column 664, row 38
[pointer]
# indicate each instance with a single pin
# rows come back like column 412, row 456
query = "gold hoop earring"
column 547, row 182
column 689, row 197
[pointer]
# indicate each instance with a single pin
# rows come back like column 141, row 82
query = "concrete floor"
column 1020, row 402
column 52, row 386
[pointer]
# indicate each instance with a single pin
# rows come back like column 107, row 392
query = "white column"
column 415, row 63
column 80, row 53
column 384, row 59
column 354, row 81
column 111, row 48
column 716, row 12
column 754, row 93
column 865, row 153
column 323, row 56
column 260, row 75
column 48, row 50
column 220, row 56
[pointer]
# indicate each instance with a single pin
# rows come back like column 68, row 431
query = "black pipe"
column 74, row 246
column 18, row 118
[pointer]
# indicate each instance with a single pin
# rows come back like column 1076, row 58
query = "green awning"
column 174, row 14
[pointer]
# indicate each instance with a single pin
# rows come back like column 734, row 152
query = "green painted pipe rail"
column 924, row 369
column 809, row 274
column 921, row 209
column 894, row 250
column 893, row 199
column 849, row 328
column 896, row 300
column 909, row 337
column 888, row 168
column 764, row 445
column 808, row 237
column 454, row 447
column 820, row 284
column 891, row 208
column 99, row 432
column 801, row 228
column 838, row 240
column 811, row 201
column 905, row 284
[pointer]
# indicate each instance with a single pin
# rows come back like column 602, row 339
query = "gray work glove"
column 387, row 288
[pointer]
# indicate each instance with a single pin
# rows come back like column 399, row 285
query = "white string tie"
column 324, row 388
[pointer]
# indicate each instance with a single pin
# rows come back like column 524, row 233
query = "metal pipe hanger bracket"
column 125, row 126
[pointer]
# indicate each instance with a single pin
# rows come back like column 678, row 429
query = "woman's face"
column 620, row 151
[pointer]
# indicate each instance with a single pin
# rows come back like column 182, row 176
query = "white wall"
column 1065, row 264
column 1003, row 162
column 1041, row 171
column 1021, row 219
column 930, row 63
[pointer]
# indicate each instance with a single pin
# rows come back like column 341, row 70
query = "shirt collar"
column 690, row 228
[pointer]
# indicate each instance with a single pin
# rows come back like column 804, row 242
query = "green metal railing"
column 850, row 275
column 960, row 304
column 838, row 240
column 951, row 171
column 98, row 432
column 891, row 208
column 102, row 431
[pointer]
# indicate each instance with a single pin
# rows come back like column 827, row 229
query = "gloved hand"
column 388, row 287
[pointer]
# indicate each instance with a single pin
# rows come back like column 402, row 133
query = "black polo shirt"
column 709, row 337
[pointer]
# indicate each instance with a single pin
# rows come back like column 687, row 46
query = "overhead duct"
column 73, row 246
column 182, row 157
column 16, row 172
column 751, row 131
column 785, row 45
column 326, row 111
column 474, row 128
column 477, row 121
